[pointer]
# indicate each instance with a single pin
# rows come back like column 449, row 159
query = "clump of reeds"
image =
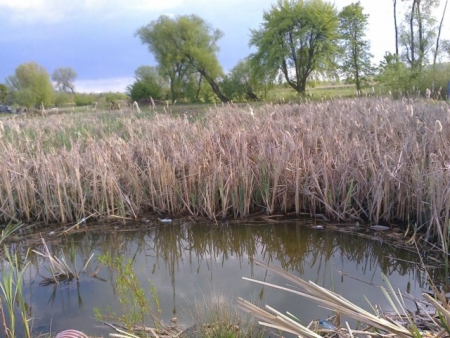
column 216, row 317
column 11, row 289
column 354, row 159
column 60, row 270
column 376, row 324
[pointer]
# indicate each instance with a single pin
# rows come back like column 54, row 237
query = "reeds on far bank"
column 365, row 159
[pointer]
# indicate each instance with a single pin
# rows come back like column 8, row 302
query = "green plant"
column 135, row 307
column 11, row 288
column 215, row 317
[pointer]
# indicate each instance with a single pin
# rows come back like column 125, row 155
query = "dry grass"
column 404, row 324
column 365, row 159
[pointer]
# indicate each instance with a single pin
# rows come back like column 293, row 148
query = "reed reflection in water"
column 190, row 262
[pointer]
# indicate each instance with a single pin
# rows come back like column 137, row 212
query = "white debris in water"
column 379, row 227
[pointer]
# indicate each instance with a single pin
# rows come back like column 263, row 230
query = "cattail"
column 411, row 110
column 437, row 126
column 136, row 107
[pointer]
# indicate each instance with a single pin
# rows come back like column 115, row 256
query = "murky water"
column 189, row 262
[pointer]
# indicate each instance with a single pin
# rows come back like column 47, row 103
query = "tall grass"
column 12, row 300
column 364, row 159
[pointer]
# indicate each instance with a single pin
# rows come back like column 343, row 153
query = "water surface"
column 191, row 262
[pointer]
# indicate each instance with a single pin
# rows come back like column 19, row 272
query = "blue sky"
column 96, row 37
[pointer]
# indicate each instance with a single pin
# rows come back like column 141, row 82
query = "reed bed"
column 375, row 160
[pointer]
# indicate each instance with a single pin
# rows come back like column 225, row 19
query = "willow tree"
column 356, row 59
column 182, row 46
column 298, row 38
column 64, row 79
column 31, row 85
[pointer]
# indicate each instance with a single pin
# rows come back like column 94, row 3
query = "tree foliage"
column 182, row 46
column 297, row 38
column 418, row 33
column 356, row 59
column 242, row 83
column 3, row 92
column 394, row 75
column 32, row 85
column 64, row 79
column 148, row 84
column 446, row 48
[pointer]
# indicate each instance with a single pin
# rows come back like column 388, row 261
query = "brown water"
column 189, row 262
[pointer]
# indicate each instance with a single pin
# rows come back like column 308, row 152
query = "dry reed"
column 364, row 159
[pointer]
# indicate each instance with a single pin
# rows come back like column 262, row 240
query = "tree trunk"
column 421, row 40
column 439, row 34
column 411, row 27
column 197, row 94
column 396, row 27
column 214, row 86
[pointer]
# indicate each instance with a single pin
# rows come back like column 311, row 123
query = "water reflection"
column 189, row 262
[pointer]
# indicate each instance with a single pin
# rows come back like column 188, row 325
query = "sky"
column 97, row 37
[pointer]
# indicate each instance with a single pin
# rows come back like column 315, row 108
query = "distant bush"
column 62, row 99
column 113, row 97
column 435, row 79
column 84, row 99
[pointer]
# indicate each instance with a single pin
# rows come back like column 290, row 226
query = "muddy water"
column 189, row 262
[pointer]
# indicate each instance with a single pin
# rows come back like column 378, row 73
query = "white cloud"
column 103, row 85
column 31, row 10
column 51, row 11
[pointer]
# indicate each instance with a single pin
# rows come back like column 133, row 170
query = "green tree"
column 148, row 83
column 418, row 32
column 83, row 99
column 446, row 47
column 356, row 58
column 149, row 74
column 64, row 79
column 184, row 45
column 242, row 82
column 32, row 85
column 394, row 75
column 297, row 38
column 3, row 92
column 62, row 98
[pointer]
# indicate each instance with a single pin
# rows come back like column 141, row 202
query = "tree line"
column 298, row 43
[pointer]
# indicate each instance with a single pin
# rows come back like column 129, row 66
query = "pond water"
column 189, row 262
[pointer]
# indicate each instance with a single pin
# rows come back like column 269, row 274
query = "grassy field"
column 351, row 159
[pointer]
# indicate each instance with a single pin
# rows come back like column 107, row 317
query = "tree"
column 64, row 78
column 242, row 82
column 32, row 85
column 394, row 74
column 356, row 58
column 159, row 35
column 446, row 47
column 148, row 83
column 436, row 50
column 418, row 32
column 297, row 38
column 396, row 27
column 149, row 74
column 184, row 45
column 3, row 92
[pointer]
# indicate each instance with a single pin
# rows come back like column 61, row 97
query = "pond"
column 187, row 263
